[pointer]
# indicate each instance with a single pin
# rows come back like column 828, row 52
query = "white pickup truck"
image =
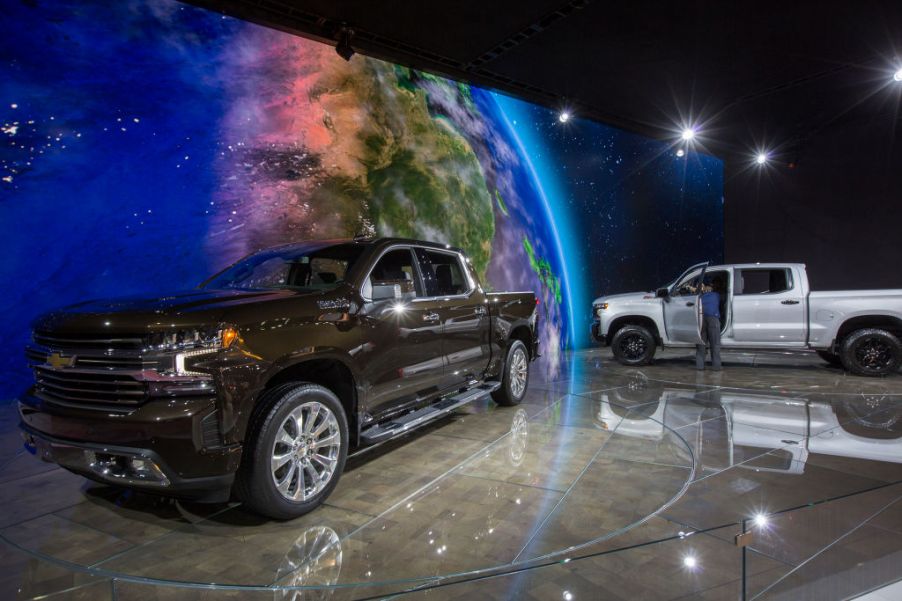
column 763, row 306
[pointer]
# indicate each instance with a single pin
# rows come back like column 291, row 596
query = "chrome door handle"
column 789, row 301
column 431, row 317
column 690, row 304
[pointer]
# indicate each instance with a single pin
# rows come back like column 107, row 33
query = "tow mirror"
column 662, row 293
column 392, row 290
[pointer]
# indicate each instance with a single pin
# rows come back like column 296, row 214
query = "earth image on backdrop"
column 147, row 144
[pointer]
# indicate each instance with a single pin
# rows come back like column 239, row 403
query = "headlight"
column 190, row 344
column 178, row 340
column 600, row 308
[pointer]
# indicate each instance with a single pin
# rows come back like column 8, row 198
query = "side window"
column 763, row 281
column 394, row 270
column 443, row 273
column 687, row 285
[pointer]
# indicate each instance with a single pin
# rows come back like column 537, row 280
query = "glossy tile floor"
column 606, row 483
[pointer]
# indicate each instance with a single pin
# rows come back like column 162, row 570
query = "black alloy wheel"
column 633, row 345
column 871, row 352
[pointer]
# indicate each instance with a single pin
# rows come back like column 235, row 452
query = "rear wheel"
column 296, row 452
column 634, row 345
column 516, row 376
column 831, row 358
column 871, row 352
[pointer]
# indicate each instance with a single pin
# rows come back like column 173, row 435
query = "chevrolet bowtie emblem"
column 57, row 361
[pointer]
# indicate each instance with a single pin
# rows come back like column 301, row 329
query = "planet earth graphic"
column 318, row 147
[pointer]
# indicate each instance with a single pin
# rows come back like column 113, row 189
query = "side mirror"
column 662, row 293
column 392, row 290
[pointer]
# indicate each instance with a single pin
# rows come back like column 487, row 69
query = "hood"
column 628, row 296
column 133, row 314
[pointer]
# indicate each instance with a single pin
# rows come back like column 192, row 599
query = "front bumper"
column 597, row 336
column 163, row 446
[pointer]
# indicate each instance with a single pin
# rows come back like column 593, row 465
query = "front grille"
column 81, row 342
column 115, row 362
column 109, row 389
column 34, row 355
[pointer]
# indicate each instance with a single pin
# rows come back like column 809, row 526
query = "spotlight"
column 681, row 153
column 897, row 76
column 688, row 134
column 343, row 47
column 761, row 158
column 690, row 562
column 760, row 520
column 564, row 117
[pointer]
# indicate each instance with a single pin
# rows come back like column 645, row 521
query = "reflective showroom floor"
column 606, row 483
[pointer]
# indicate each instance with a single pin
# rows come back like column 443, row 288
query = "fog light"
column 123, row 468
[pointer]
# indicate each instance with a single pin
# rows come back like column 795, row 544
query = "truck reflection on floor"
column 729, row 428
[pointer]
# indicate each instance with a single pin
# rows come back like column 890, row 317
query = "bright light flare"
column 690, row 562
column 761, row 158
column 399, row 308
column 688, row 134
column 760, row 520
column 681, row 153
column 564, row 116
column 897, row 76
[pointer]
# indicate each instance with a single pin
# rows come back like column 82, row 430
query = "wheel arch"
column 327, row 370
column 882, row 321
column 633, row 320
column 523, row 333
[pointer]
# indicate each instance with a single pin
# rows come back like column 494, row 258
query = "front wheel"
column 295, row 453
column 634, row 345
column 871, row 352
column 516, row 376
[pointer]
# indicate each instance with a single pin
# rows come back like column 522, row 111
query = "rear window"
column 763, row 281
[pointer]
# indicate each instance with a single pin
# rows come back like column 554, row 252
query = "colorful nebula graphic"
column 148, row 144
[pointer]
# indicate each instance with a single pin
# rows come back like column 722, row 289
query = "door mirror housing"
column 392, row 290
column 662, row 293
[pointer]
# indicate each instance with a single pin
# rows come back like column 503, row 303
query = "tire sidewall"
column 508, row 398
column 854, row 340
column 266, row 498
column 634, row 330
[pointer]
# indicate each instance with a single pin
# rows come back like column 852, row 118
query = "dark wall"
column 839, row 210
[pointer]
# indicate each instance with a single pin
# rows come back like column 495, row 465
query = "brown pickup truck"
column 263, row 379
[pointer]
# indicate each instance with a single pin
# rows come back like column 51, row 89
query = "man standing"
column 710, row 328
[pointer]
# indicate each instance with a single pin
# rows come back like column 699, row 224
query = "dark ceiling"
column 751, row 74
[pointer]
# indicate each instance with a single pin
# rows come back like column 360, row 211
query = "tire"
column 871, row 352
column 634, row 345
column 516, row 375
column 831, row 358
column 306, row 481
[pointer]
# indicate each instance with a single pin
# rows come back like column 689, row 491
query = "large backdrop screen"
column 147, row 144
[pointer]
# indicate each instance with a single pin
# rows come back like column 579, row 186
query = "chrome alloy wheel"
column 519, row 372
column 305, row 452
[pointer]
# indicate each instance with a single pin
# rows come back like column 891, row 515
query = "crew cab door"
column 681, row 307
column 769, row 307
column 401, row 353
column 463, row 312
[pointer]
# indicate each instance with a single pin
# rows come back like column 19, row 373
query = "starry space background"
column 145, row 144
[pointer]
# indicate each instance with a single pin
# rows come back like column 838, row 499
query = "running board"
column 415, row 419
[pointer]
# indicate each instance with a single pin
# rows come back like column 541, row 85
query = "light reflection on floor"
column 607, row 482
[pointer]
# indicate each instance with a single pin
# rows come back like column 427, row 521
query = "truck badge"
column 56, row 361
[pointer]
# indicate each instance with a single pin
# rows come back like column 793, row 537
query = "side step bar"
column 414, row 419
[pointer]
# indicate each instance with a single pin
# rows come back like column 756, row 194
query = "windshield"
column 295, row 268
